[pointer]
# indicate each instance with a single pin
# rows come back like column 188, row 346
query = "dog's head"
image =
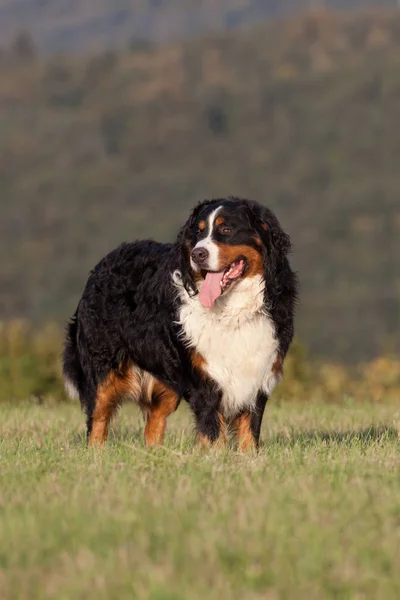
column 227, row 240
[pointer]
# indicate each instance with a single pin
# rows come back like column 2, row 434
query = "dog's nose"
column 200, row 255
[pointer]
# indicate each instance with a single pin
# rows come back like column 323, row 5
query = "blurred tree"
column 23, row 47
column 113, row 126
column 217, row 119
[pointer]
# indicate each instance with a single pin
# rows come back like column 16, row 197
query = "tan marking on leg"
column 205, row 442
column 106, row 404
column 164, row 402
column 244, row 434
column 222, row 436
column 126, row 382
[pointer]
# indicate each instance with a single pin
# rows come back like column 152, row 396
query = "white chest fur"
column 237, row 341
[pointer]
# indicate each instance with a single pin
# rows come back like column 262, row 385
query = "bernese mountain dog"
column 208, row 318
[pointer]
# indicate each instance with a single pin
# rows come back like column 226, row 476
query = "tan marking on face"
column 219, row 220
column 228, row 254
column 202, row 225
column 197, row 276
column 243, row 430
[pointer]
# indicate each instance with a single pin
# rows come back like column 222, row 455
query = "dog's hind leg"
column 108, row 397
column 164, row 401
column 118, row 385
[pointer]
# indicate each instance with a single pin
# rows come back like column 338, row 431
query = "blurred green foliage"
column 31, row 368
column 30, row 362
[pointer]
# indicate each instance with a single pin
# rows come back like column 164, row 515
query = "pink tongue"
column 211, row 289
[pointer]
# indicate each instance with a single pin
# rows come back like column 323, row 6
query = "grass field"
column 316, row 514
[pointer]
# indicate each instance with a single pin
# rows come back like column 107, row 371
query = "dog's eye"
column 200, row 228
column 224, row 230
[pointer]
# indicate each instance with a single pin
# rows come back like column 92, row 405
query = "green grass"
column 316, row 514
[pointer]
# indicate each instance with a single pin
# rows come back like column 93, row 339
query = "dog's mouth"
column 232, row 273
column 217, row 283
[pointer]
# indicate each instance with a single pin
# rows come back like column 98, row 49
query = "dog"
column 208, row 319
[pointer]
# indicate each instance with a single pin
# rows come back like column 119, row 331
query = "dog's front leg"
column 210, row 424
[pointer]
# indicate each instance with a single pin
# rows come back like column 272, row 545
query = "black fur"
column 257, row 415
column 129, row 308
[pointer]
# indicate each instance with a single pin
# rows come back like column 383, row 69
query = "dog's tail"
column 78, row 381
column 72, row 368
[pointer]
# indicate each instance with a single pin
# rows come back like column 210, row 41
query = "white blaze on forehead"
column 208, row 244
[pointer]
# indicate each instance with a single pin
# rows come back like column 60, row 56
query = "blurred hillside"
column 30, row 370
column 300, row 115
column 71, row 25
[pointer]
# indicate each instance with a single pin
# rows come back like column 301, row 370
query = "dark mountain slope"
column 302, row 116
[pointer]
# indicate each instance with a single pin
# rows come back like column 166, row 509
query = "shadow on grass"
column 365, row 437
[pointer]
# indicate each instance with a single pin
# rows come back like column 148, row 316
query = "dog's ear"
column 276, row 241
column 184, row 247
column 278, row 276
column 186, row 232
